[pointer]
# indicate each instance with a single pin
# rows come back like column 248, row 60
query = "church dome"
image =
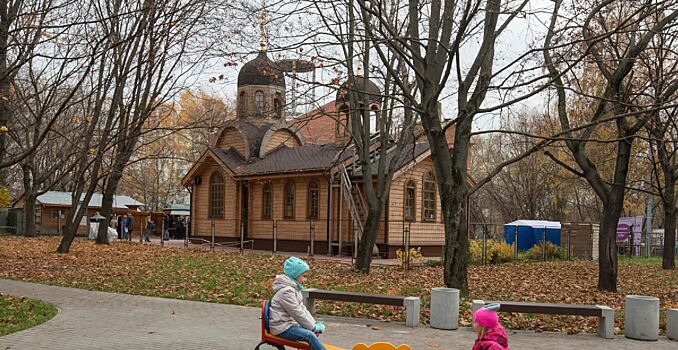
column 358, row 84
column 261, row 71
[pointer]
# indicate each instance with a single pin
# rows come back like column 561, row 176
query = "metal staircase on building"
column 352, row 196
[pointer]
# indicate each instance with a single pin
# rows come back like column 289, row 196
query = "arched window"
column 313, row 197
column 241, row 102
column 267, row 202
column 410, row 193
column 289, row 201
column 216, row 204
column 259, row 101
column 277, row 105
column 429, row 194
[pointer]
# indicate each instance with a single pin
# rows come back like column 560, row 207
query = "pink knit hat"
column 486, row 318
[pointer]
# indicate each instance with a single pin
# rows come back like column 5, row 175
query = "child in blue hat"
column 288, row 317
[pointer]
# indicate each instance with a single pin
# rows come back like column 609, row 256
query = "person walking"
column 165, row 227
column 130, row 226
column 150, row 226
column 123, row 227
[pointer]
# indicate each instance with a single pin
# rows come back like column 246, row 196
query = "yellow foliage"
column 497, row 251
column 414, row 256
column 5, row 197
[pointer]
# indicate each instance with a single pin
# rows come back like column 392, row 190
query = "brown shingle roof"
column 230, row 157
column 284, row 159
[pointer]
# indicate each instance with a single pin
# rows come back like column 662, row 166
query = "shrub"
column 497, row 252
column 415, row 256
column 553, row 252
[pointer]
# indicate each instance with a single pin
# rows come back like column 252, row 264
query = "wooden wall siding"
column 292, row 229
column 226, row 227
column 280, row 137
column 421, row 232
column 50, row 224
column 231, row 137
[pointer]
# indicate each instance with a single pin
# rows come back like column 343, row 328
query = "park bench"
column 605, row 314
column 411, row 304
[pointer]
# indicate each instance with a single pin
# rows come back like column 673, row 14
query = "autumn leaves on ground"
column 246, row 279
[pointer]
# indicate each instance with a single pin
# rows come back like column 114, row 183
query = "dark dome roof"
column 359, row 84
column 261, row 71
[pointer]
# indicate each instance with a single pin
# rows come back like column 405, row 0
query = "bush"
column 553, row 252
column 497, row 252
column 415, row 256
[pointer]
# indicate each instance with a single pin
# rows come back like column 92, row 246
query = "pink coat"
column 493, row 339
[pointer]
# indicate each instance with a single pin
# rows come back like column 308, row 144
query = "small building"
column 52, row 207
column 297, row 185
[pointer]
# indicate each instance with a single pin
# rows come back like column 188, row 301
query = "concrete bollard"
column 672, row 324
column 641, row 317
column 445, row 308
column 412, row 308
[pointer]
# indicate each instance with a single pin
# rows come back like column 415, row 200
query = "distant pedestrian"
column 150, row 226
column 123, row 227
column 165, row 227
column 114, row 222
column 130, row 226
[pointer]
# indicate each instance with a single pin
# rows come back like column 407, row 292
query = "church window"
column 259, row 101
column 313, row 200
column 216, row 196
column 429, row 197
column 277, row 105
column 410, row 191
column 267, row 201
column 289, row 201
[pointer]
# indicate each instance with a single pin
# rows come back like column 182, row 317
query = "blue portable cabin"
column 531, row 232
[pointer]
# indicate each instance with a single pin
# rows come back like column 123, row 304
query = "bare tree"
column 615, row 33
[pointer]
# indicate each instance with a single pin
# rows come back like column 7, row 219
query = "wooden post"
column 311, row 231
column 213, row 234
column 242, row 236
column 275, row 237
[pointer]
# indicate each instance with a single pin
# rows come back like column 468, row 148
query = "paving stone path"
column 97, row 320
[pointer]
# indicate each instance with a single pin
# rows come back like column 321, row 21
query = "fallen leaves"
column 246, row 279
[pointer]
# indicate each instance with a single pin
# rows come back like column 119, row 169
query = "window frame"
column 310, row 201
column 428, row 178
column 267, row 204
column 289, row 201
column 212, row 209
column 259, row 104
column 410, row 184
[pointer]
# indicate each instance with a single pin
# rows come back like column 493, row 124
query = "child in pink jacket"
column 490, row 334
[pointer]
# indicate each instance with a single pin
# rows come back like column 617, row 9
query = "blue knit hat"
column 294, row 267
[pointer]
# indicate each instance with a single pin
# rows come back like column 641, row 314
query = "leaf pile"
column 246, row 279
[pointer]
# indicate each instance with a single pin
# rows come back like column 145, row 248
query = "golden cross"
column 262, row 29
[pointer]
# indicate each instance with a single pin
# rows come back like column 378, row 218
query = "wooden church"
column 293, row 185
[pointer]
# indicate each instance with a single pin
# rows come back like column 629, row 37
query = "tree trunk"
column 368, row 239
column 669, row 255
column 29, row 213
column 607, row 247
column 612, row 207
column 29, row 197
column 456, row 243
column 107, row 206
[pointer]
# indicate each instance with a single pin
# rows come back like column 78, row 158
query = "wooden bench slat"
column 543, row 308
column 357, row 297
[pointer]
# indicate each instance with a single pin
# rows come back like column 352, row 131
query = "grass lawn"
column 246, row 280
column 17, row 314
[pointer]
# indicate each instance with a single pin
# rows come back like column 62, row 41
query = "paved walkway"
column 97, row 320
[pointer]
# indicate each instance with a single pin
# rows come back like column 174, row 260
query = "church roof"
column 230, row 157
column 285, row 159
column 409, row 153
column 261, row 71
column 358, row 84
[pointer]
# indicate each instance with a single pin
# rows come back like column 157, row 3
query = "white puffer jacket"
column 287, row 307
